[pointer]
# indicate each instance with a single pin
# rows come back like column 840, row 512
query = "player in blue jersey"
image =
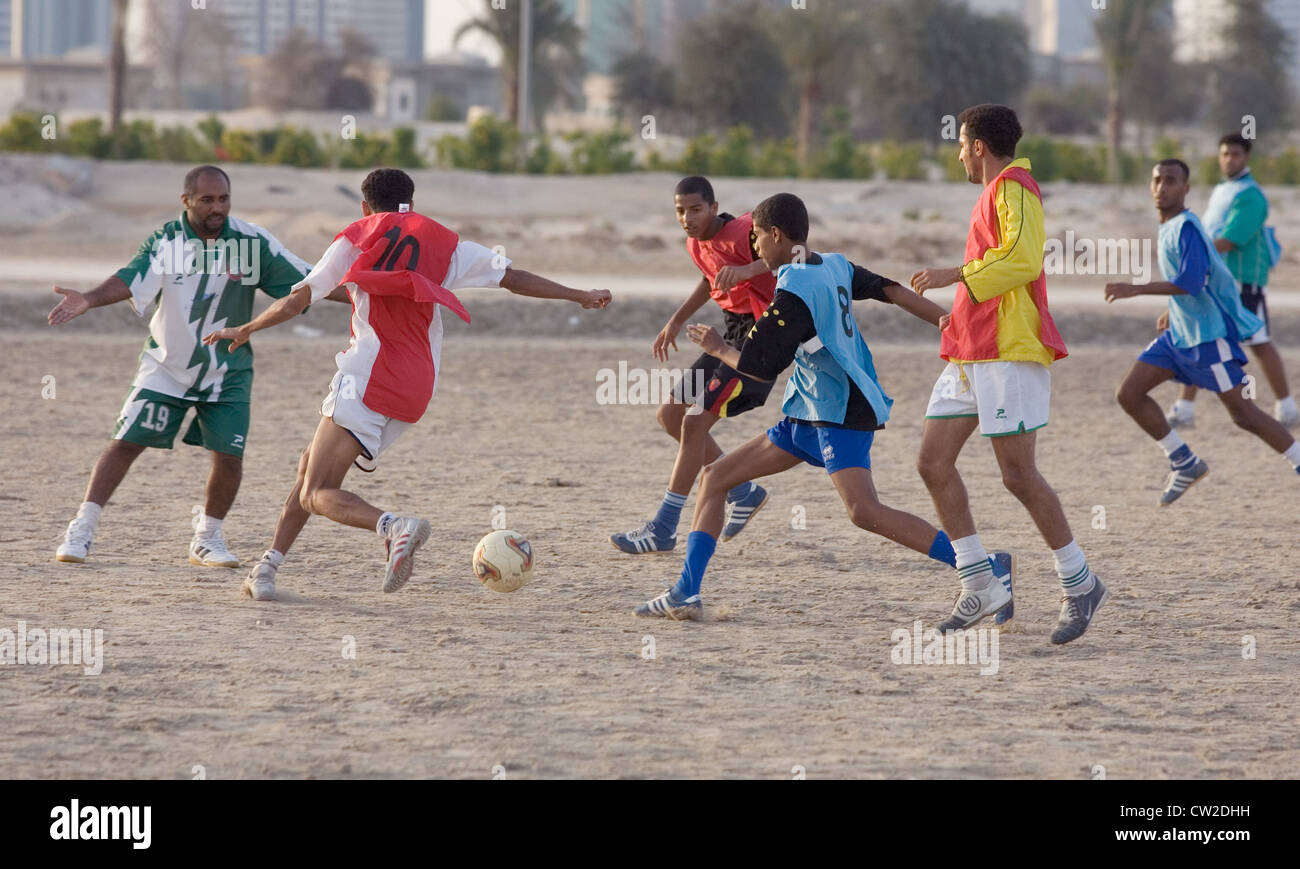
column 833, row 402
column 1199, row 339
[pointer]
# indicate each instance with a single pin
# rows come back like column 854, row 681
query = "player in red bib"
column 399, row 269
column 735, row 277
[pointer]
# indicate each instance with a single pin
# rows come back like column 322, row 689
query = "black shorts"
column 724, row 390
column 1253, row 299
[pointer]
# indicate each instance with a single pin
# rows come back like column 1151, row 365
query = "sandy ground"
column 792, row 670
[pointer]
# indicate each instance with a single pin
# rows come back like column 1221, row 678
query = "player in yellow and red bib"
column 999, row 344
column 399, row 269
column 735, row 277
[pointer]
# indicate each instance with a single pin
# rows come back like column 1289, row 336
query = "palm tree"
column 1122, row 32
column 117, row 66
column 556, row 50
column 814, row 43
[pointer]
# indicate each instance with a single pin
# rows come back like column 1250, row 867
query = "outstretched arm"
column 914, row 304
column 668, row 334
column 74, row 304
column 1128, row 291
column 524, row 283
column 280, row 310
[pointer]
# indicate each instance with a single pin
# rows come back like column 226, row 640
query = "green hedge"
column 493, row 145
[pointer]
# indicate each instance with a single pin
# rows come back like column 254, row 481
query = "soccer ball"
column 503, row 561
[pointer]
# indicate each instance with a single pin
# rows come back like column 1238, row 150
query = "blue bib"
column 1216, row 311
column 825, row 364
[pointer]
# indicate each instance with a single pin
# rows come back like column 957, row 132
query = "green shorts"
column 152, row 419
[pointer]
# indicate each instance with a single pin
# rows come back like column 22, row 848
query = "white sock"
column 386, row 520
column 1292, row 454
column 1182, row 406
column 973, row 566
column 1170, row 442
column 209, row 526
column 1072, row 568
column 273, row 557
column 89, row 511
column 1285, row 405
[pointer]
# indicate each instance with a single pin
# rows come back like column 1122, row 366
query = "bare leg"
column 696, row 448
column 1271, row 361
column 332, row 452
column 859, row 496
column 1015, row 454
column 941, row 443
column 1188, row 393
column 223, row 484
column 1248, row 416
column 111, row 469
column 292, row 516
column 757, row 457
column 1134, row 396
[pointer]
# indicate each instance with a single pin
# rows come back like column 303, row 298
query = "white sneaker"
column 211, row 552
column 972, row 605
column 1181, row 418
column 260, row 582
column 1290, row 417
column 76, row 542
column 405, row 536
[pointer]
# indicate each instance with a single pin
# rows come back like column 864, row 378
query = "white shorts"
column 1008, row 397
column 374, row 431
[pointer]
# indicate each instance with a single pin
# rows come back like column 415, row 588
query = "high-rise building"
column 1061, row 27
column 31, row 29
column 396, row 27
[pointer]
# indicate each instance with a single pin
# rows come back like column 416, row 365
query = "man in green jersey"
column 202, row 271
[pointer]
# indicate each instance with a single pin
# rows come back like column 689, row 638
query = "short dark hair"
column 695, row 184
column 386, row 189
column 785, row 212
column 1235, row 139
column 192, row 177
column 1174, row 161
column 997, row 126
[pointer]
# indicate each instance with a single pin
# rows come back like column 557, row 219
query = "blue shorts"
column 829, row 447
column 1214, row 365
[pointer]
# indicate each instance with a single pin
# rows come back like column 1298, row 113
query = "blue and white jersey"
column 1208, row 312
column 825, row 364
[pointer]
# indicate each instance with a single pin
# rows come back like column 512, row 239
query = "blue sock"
column 670, row 511
column 941, row 550
column 1182, row 458
column 699, row 549
column 739, row 492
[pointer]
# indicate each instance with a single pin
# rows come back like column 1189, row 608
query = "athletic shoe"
column 1289, row 417
column 1077, row 612
column 1002, row 570
column 645, row 539
column 1181, row 419
column 669, row 606
column 405, row 536
column 211, row 552
column 1180, row 481
column 740, row 512
column 260, row 582
column 973, row 605
column 76, row 542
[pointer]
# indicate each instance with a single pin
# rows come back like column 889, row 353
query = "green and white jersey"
column 201, row 286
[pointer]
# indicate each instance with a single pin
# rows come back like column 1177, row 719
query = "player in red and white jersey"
column 399, row 269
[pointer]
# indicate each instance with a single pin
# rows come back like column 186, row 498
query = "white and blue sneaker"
column 739, row 512
column 669, row 606
column 1180, row 481
column 1002, row 563
column 644, row 540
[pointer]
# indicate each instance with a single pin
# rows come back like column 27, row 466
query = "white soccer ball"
column 503, row 561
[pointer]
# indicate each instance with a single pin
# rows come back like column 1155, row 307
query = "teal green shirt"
column 1243, row 225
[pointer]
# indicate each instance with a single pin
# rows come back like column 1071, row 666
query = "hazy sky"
column 442, row 17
